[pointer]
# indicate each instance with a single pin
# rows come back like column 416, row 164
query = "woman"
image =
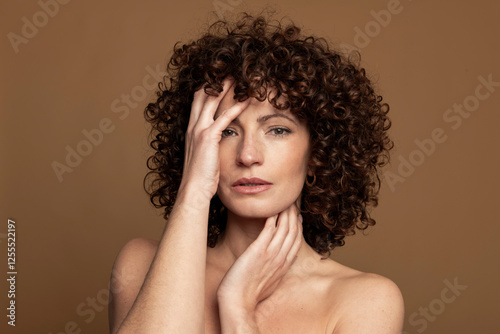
column 268, row 147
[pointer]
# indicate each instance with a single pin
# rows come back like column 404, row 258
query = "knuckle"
column 223, row 116
column 270, row 253
column 203, row 134
column 281, row 261
column 288, row 225
column 259, row 251
column 271, row 225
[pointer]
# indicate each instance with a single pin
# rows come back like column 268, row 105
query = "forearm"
column 171, row 299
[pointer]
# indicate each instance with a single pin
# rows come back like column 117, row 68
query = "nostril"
column 249, row 152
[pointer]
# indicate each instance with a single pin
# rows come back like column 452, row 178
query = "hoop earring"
column 310, row 184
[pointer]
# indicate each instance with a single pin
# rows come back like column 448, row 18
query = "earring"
column 310, row 184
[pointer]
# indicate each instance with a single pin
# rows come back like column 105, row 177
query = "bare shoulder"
column 127, row 276
column 365, row 302
column 135, row 256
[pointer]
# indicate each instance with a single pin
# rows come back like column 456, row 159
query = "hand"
column 255, row 275
column 201, row 161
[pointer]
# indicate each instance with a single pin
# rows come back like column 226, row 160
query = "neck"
column 240, row 232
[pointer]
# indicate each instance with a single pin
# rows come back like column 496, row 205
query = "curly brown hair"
column 347, row 120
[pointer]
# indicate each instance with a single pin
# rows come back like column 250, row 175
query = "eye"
column 280, row 131
column 228, row 133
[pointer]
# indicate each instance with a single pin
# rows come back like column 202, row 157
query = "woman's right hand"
column 203, row 135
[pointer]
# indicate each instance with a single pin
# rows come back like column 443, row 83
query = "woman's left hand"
column 255, row 275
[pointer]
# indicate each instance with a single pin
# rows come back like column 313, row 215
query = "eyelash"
column 285, row 130
column 223, row 136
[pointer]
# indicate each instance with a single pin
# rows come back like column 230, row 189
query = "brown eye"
column 280, row 132
column 228, row 133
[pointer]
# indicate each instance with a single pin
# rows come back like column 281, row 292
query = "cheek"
column 296, row 158
column 292, row 170
column 226, row 171
column 225, row 161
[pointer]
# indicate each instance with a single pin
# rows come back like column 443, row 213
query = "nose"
column 249, row 152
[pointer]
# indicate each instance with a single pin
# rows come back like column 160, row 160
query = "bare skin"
column 262, row 277
column 318, row 296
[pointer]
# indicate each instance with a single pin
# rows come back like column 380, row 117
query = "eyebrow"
column 262, row 119
column 266, row 117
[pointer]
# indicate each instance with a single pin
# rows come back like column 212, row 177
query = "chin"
column 248, row 208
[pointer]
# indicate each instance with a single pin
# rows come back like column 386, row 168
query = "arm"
column 171, row 298
column 178, row 266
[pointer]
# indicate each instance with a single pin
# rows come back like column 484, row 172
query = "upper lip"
column 252, row 180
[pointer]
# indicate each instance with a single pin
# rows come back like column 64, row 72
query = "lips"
column 251, row 186
column 250, row 182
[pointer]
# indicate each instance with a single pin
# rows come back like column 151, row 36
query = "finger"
column 281, row 233
column 291, row 237
column 223, row 121
column 209, row 109
column 267, row 232
column 202, row 101
column 297, row 242
column 199, row 99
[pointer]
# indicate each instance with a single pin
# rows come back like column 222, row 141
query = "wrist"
column 232, row 302
column 235, row 320
column 191, row 196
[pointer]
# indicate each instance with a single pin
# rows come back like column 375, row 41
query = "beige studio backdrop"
column 71, row 68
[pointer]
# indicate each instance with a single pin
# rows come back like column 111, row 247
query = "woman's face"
column 267, row 144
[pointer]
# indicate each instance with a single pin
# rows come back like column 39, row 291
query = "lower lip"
column 251, row 189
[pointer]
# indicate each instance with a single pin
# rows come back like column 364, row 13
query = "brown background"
column 438, row 223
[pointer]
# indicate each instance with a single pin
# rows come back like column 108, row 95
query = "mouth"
column 250, row 182
column 251, row 186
